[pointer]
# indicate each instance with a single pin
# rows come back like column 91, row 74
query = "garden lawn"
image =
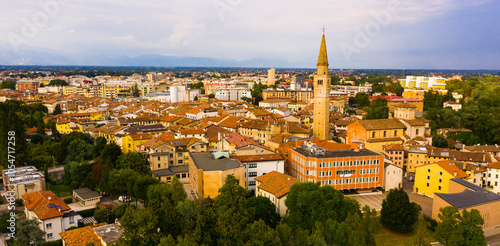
column 60, row 190
column 390, row 237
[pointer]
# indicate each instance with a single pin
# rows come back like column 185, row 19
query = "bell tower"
column 321, row 116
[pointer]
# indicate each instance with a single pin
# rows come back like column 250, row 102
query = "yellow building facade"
column 434, row 178
column 130, row 142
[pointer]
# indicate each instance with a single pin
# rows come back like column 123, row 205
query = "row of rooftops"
column 22, row 175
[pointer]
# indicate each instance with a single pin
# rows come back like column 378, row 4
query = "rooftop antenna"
column 323, row 29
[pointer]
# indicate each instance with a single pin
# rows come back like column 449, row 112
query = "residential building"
column 302, row 95
column 52, row 213
column 393, row 176
column 275, row 186
column 433, row 178
column 491, row 180
column 274, row 103
column 376, row 133
column 208, row 172
column 232, row 94
column 422, row 82
column 259, row 164
column 395, row 153
column 321, row 117
column 493, row 149
column 352, row 90
column 98, row 235
column 27, row 85
column 132, row 141
column 454, row 105
column 237, row 144
column 466, row 196
column 344, row 169
column 22, row 180
column 168, row 158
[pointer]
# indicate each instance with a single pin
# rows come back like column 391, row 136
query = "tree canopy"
column 398, row 213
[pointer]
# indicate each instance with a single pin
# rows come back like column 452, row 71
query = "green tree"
column 308, row 202
column 259, row 233
column 212, row 95
column 421, row 231
column 133, row 161
column 232, row 213
column 140, row 227
column 78, row 150
column 135, row 91
column 264, row 210
column 8, row 84
column 378, row 109
column 439, row 141
column 57, row 110
column 284, row 233
column 470, row 226
column 256, row 92
column 110, row 154
column 28, row 232
column 398, row 213
column 362, row 100
column 99, row 144
column 447, row 230
column 247, row 99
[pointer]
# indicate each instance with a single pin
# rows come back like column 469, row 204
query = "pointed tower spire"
column 322, row 66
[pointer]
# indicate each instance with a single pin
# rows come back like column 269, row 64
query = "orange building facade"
column 352, row 169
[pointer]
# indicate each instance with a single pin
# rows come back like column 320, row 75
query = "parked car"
column 124, row 199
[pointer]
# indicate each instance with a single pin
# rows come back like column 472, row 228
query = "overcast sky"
column 439, row 34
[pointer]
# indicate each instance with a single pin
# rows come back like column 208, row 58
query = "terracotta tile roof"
column 192, row 131
column 495, row 165
column 483, row 148
column 280, row 138
column 231, row 122
column 212, row 133
column 449, row 167
column 471, row 156
column 381, row 124
column 40, row 203
column 81, row 237
column 140, row 136
column 378, row 140
column 404, row 105
column 34, row 130
column 258, row 157
column 415, row 122
column 276, row 183
column 239, row 140
column 194, row 111
column 394, row 147
column 259, row 112
column 255, row 124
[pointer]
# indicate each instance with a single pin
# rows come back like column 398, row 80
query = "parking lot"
column 373, row 201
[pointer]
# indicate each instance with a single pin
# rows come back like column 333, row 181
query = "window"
column 320, row 82
column 428, row 177
column 440, row 181
column 252, row 174
column 49, row 235
column 171, row 155
column 48, row 226
column 179, row 154
column 158, row 158
column 252, row 165
column 439, row 187
column 440, row 173
column 159, row 165
column 385, row 133
column 395, row 133
column 71, row 219
column 192, row 147
column 427, row 184
column 171, row 162
column 251, row 183
column 373, row 134
column 428, row 170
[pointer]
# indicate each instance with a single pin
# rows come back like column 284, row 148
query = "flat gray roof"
column 471, row 197
column 338, row 153
column 86, row 193
column 109, row 233
column 207, row 162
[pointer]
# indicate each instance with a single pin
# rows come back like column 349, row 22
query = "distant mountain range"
column 32, row 57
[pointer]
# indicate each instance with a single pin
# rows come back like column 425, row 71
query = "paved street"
column 424, row 201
